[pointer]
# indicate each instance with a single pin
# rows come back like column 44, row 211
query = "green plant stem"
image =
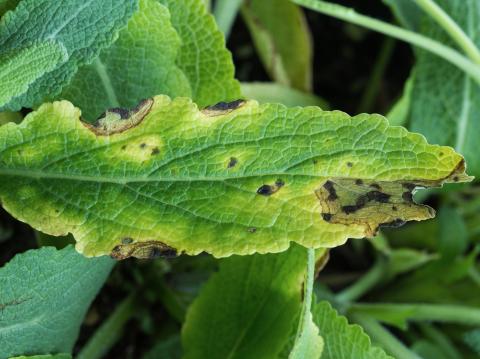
column 383, row 337
column 422, row 312
column 225, row 12
column 308, row 294
column 440, row 339
column 110, row 331
column 451, row 27
column 364, row 284
column 347, row 14
column 376, row 76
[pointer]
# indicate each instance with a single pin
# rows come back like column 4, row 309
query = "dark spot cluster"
column 267, row 190
column 332, row 193
column 398, row 222
column 155, row 151
column 371, row 196
column 157, row 252
column 232, row 162
column 225, row 106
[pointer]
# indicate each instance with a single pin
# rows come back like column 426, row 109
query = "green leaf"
column 281, row 36
column 140, row 64
column 343, row 340
column 453, row 234
column 445, row 102
column 20, row 68
column 75, row 26
column 398, row 114
column 271, row 92
column 239, row 178
column 203, row 57
column 225, row 12
column 7, row 116
column 407, row 13
column 46, row 288
column 307, row 343
column 248, row 308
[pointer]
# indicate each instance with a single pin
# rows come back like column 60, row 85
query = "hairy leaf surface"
column 445, row 102
column 46, row 288
column 203, row 57
column 257, row 307
column 21, row 67
column 342, row 340
column 82, row 28
column 140, row 64
column 238, row 177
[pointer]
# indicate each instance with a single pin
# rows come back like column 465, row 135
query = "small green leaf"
column 271, row 92
column 445, row 101
column 20, row 68
column 280, row 33
column 248, row 308
column 203, row 57
column 83, row 29
column 239, row 178
column 140, row 64
column 46, row 288
column 343, row 340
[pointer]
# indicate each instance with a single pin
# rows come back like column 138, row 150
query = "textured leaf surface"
column 234, row 178
column 140, row 64
column 44, row 296
column 445, row 102
column 20, row 68
column 282, row 38
column 82, row 28
column 248, row 308
column 203, row 57
column 343, row 340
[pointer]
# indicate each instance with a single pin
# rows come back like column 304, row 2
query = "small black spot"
column 376, row 186
column 407, row 196
column 155, row 253
column 358, row 182
column 394, row 208
column 409, row 186
column 349, row 209
column 155, row 151
column 124, row 114
column 124, row 147
column 233, row 161
column 252, row 229
column 456, row 178
column 440, row 154
column 349, row 164
column 127, row 240
column 143, row 145
column 378, row 196
column 327, row 216
column 362, row 201
column 265, row 190
column 224, row 106
column 332, row 193
column 279, row 183
column 315, row 162
column 57, row 211
column 398, row 222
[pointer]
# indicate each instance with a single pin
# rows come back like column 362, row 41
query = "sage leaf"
column 83, row 29
column 235, row 178
column 46, row 288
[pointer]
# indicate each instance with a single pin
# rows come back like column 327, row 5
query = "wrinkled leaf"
column 167, row 178
column 248, row 308
column 22, row 67
column 343, row 340
column 203, row 57
column 445, row 102
column 46, row 288
column 83, row 29
column 140, row 64
column 281, row 36
column 271, row 92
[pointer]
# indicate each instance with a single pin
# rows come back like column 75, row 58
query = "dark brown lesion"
column 222, row 108
column 232, row 162
column 370, row 204
column 117, row 120
column 142, row 250
column 267, row 189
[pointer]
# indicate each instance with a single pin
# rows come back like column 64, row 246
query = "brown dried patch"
column 117, row 120
column 142, row 250
column 223, row 108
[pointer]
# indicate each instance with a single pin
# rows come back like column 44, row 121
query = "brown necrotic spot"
column 251, row 229
column 358, row 182
column 143, row 250
column 378, row 196
column 407, row 196
column 327, row 216
column 350, row 209
column 398, row 222
column 265, row 190
column 155, row 151
column 409, row 186
column 376, row 186
column 232, row 162
column 349, row 164
column 225, row 106
column 332, row 193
